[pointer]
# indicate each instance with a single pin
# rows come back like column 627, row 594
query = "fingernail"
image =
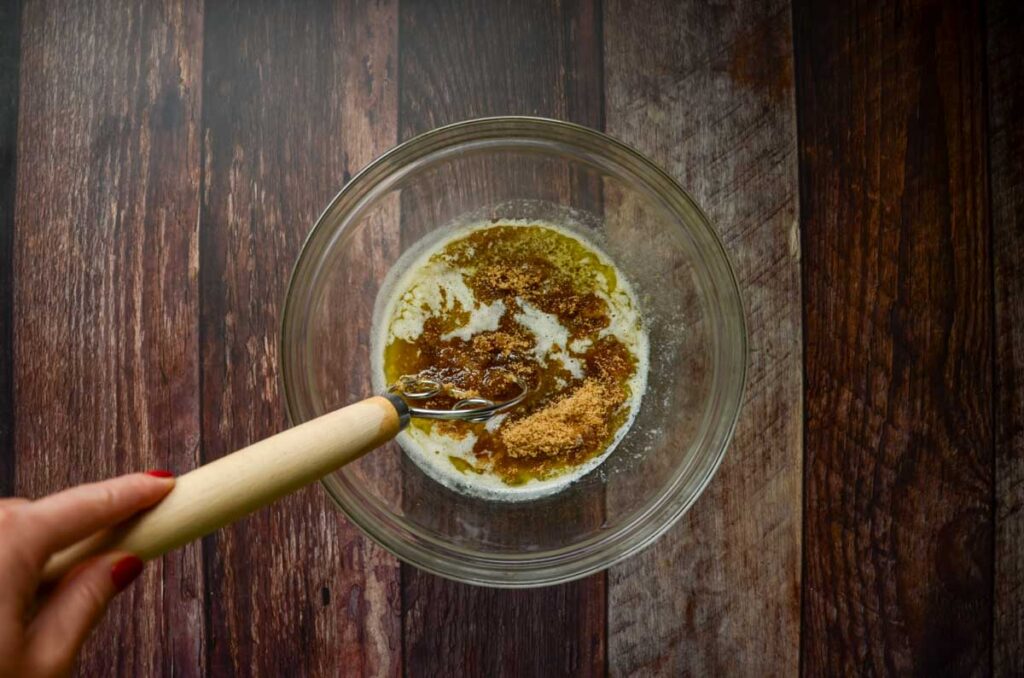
column 125, row 571
column 159, row 473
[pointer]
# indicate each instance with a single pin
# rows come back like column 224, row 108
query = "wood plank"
column 1005, row 69
column 10, row 58
column 508, row 58
column 707, row 93
column 298, row 96
column 898, row 327
column 106, row 253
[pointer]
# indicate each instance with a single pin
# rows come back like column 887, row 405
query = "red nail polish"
column 125, row 571
column 159, row 473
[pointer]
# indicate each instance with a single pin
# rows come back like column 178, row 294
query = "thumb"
column 62, row 624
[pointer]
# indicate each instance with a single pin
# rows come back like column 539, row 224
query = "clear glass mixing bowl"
column 518, row 167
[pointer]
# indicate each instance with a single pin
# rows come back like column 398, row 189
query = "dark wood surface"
column 713, row 104
column 1005, row 62
column 105, row 344
column 162, row 160
column 535, row 67
column 897, row 272
column 10, row 43
column 298, row 590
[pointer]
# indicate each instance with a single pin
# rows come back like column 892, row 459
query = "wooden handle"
column 233, row 486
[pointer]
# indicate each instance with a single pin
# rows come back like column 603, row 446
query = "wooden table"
column 161, row 163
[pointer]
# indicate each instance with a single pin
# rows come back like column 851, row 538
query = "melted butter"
column 554, row 294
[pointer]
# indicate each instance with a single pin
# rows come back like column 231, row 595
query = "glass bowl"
column 525, row 168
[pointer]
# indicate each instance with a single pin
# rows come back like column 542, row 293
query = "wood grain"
column 898, row 326
column 297, row 97
column 461, row 61
column 106, row 254
column 10, row 58
column 1005, row 63
column 706, row 92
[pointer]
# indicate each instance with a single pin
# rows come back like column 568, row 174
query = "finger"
column 62, row 519
column 64, row 621
column 19, row 565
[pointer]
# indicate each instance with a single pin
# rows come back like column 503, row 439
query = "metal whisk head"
column 415, row 387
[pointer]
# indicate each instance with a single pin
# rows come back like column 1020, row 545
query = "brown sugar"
column 538, row 283
column 500, row 343
column 565, row 425
column 502, row 279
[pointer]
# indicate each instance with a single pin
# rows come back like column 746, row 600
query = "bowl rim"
column 506, row 570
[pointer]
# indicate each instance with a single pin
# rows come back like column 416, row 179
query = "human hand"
column 42, row 628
